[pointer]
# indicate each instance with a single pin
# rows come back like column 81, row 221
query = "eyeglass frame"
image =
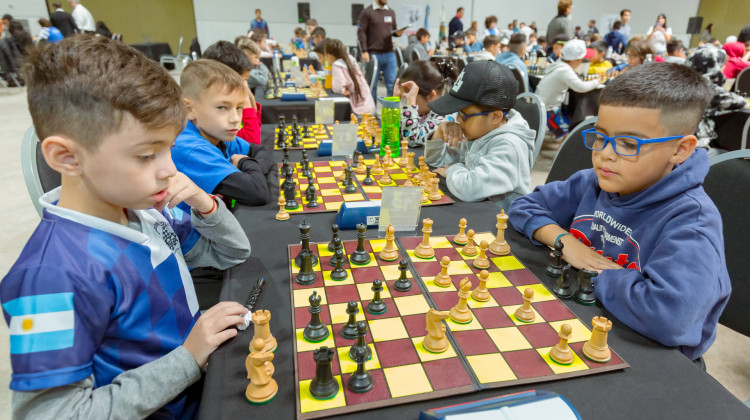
column 476, row 114
column 608, row 140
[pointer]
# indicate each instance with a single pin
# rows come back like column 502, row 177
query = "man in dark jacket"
column 62, row 20
column 455, row 24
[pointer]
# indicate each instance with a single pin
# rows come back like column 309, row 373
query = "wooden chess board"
column 310, row 141
column 330, row 191
column 308, row 91
column 495, row 350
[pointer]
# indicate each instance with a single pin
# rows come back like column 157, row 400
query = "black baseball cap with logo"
column 486, row 83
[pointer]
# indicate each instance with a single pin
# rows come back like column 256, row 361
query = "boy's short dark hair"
column 247, row 45
column 678, row 91
column 622, row 12
column 201, row 75
column 471, row 32
column 541, row 40
column 311, row 22
column 562, row 6
column 258, row 35
column 599, row 46
column 82, row 88
column 459, row 35
column 491, row 40
column 318, row 31
column 617, row 25
column 227, row 53
column 8, row 17
column 517, row 42
column 421, row 32
column 674, row 45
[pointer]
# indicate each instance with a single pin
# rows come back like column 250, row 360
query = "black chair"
column 742, row 83
column 371, row 73
column 532, row 110
column 523, row 84
column 39, row 177
column 728, row 185
column 399, row 56
column 356, row 53
column 195, row 49
column 415, row 55
column 268, row 61
column 573, row 155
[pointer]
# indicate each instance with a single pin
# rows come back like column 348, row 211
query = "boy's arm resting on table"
column 250, row 188
column 578, row 85
column 135, row 393
column 261, row 156
column 671, row 297
column 222, row 244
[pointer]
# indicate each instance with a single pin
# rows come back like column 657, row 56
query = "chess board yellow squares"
column 330, row 193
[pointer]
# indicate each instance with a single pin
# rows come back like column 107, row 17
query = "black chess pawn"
column 555, row 267
column 306, row 275
column 305, row 165
column 295, row 138
column 339, row 273
column 312, row 197
column 360, row 381
column 337, row 245
column 290, row 195
column 305, row 129
column 368, row 178
column 323, row 386
column 349, row 330
column 286, row 173
column 403, row 284
column 315, row 331
column 563, row 287
column 281, row 137
column 361, row 333
column 585, row 293
column 355, row 158
column 360, row 256
column 304, row 237
column 335, row 231
column 286, row 151
column 349, row 186
column 377, row 306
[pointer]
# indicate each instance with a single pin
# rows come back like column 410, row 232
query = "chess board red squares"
column 329, row 191
column 398, row 175
column 310, row 141
column 402, row 370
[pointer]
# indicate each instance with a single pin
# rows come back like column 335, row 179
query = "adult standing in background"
column 561, row 24
column 592, row 27
column 624, row 19
column 616, row 39
column 455, row 24
column 63, row 21
column 659, row 34
column 82, row 17
column 259, row 23
column 377, row 24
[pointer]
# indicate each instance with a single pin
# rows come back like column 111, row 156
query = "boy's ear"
column 432, row 96
column 190, row 113
column 61, row 154
column 684, row 149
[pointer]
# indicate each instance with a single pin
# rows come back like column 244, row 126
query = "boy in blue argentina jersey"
column 103, row 317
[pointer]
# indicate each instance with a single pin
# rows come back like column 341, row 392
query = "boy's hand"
column 181, row 188
column 452, row 133
column 212, row 329
column 250, row 101
column 236, row 159
column 409, row 91
column 580, row 256
column 441, row 171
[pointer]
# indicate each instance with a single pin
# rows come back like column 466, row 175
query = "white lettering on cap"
column 459, row 82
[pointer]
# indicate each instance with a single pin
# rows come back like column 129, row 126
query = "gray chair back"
column 371, row 71
column 523, row 85
column 532, row 110
column 742, row 83
column 573, row 156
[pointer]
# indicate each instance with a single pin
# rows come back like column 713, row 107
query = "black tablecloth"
column 661, row 382
column 304, row 110
column 580, row 105
column 154, row 50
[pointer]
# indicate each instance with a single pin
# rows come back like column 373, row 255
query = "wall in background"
column 30, row 10
column 728, row 17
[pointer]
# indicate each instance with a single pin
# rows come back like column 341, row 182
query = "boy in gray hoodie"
column 488, row 153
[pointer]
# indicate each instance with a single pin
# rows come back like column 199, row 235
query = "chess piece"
column 262, row 330
column 410, row 162
column 525, row 313
column 360, row 256
column 304, row 236
column 315, row 331
column 368, row 177
column 435, row 190
column 306, row 165
column 424, row 198
column 350, row 187
column 562, row 287
column 335, row 232
column 306, row 275
column 469, row 249
column 424, row 249
column 338, row 273
column 481, row 294
column 461, row 238
column 561, row 352
column 408, row 182
column 499, row 246
column 389, row 252
column 321, row 130
column 290, row 194
column 323, row 386
column 280, row 138
column 361, row 168
column 555, row 267
column 286, row 152
column 377, row 306
column 388, row 161
column 360, row 381
column 386, row 178
column 596, row 348
column 585, row 293
column 461, row 313
column 349, row 330
column 262, row 387
column 427, row 182
column 377, row 168
column 311, row 195
column 443, row 279
column 305, row 129
column 360, row 344
column 337, row 244
column 403, row 284
column 404, row 150
column 353, row 119
column 481, row 261
column 435, row 341
column 282, row 214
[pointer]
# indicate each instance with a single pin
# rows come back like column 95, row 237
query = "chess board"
column 330, row 191
column 308, row 91
column 311, row 141
column 398, row 176
column 494, row 350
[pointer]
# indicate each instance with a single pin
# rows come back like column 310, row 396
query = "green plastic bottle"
column 390, row 119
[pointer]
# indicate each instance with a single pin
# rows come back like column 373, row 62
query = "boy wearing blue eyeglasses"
column 640, row 217
column 488, row 152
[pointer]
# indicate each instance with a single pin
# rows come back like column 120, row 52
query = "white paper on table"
column 344, row 139
column 400, row 206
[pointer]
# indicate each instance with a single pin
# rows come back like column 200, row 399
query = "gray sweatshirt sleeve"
column 223, row 243
column 437, row 153
column 133, row 394
column 258, row 76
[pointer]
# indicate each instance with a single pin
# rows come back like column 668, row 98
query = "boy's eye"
column 221, row 107
column 626, row 144
column 146, row 157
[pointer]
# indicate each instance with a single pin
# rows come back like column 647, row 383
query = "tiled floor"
column 728, row 360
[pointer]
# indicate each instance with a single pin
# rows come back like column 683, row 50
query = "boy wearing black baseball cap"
column 488, row 153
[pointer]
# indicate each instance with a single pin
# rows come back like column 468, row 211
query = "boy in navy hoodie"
column 640, row 217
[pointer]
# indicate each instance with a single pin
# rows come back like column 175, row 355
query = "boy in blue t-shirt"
column 640, row 217
column 208, row 149
column 103, row 316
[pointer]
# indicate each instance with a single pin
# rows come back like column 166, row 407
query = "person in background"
column 459, row 41
column 522, row 28
column 299, row 38
column 504, row 44
column 557, row 45
column 455, row 24
column 507, row 32
column 624, row 19
column 63, row 21
column 706, row 34
column 82, row 17
column 675, row 52
column 259, row 73
column 377, row 25
column 419, row 43
column 490, row 27
column 738, row 59
column 348, row 79
column 659, row 34
column 475, row 26
column 259, row 23
column 744, row 35
column 514, row 26
column 592, row 27
column 637, row 52
column 577, row 33
column 514, row 55
column 561, row 24
column 49, row 33
column 616, row 39
column 317, row 36
column 532, row 25
column 472, row 45
column 311, row 24
column 20, row 37
column 491, row 49
column 599, row 64
column 260, row 39
column 5, row 28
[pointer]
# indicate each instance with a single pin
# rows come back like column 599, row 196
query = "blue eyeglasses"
column 622, row 145
column 463, row 117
